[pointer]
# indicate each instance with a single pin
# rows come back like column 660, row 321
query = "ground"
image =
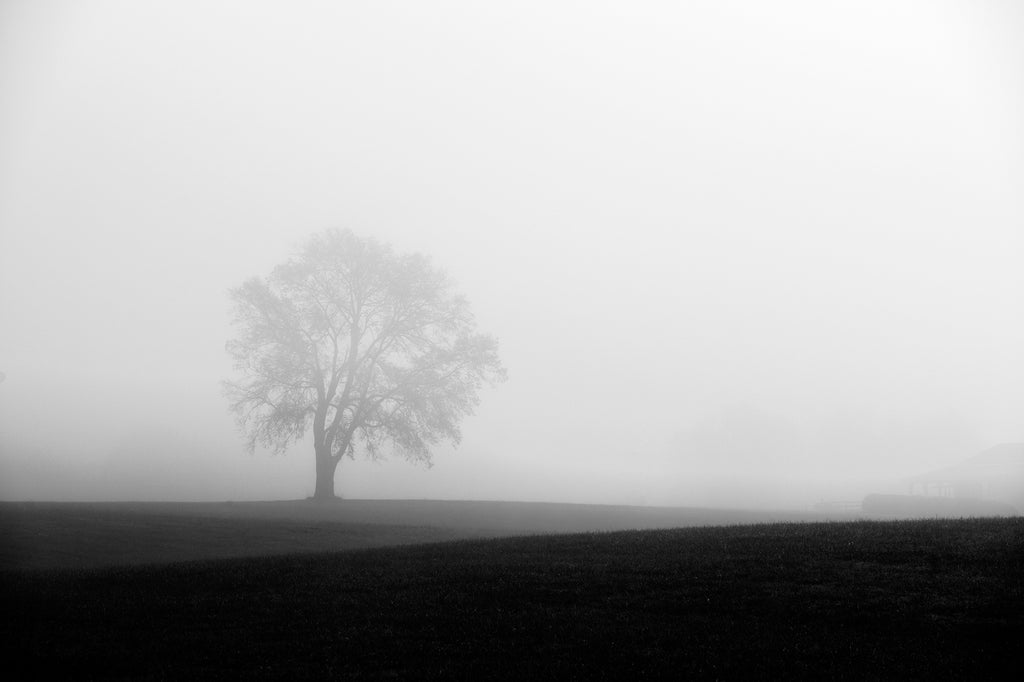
column 839, row 600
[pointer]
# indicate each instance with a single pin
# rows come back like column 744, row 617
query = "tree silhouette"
column 366, row 346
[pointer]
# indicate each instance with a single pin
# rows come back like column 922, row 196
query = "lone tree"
column 367, row 346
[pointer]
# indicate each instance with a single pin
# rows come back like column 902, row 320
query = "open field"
column 858, row 600
column 92, row 535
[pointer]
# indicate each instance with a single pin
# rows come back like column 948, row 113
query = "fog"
column 735, row 253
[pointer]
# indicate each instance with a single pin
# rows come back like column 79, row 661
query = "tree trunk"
column 325, row 468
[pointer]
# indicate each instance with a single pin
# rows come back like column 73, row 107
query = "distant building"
column 997, row 474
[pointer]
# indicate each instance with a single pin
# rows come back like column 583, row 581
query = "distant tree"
column 365, row 346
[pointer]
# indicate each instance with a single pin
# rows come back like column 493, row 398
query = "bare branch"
column 365, row 346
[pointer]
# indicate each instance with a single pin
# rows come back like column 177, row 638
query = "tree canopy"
column 364, row 346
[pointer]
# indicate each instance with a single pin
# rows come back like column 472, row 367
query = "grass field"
column 93, row 535
column 851, row 600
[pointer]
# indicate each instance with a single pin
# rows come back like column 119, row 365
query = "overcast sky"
column 716, row 240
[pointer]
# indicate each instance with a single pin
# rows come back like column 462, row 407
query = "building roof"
column 1001, row 461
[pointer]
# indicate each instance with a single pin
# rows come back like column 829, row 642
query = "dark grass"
column 861, row 600
column 92, row 535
